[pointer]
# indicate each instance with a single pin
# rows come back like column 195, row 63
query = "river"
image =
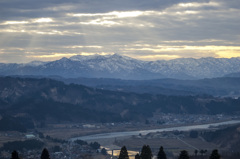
column 144, row 132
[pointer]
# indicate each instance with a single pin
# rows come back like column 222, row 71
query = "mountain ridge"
column 123, row 67
column 224, row 86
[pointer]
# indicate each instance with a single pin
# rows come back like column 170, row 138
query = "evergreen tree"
column 161, row 154
column 15, row 155
column 183, row 155
column 205, row 151
column 123, row 153
column 137, row 156
column 146, row 152
column 95, row 145
column 104, row 151
column 45, row 154
column 196, row 152
column 215, row 155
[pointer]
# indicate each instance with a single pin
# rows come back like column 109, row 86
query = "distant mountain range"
column 123, row 67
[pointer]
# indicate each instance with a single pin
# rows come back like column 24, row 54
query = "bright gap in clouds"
column 157, row 57
column 50, row 57
column 117, row 14
column 197, row 5
column 39, row 20
column 14, row 22
column 43, row 20
column 177, row 31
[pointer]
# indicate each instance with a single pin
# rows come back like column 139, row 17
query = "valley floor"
column 172, row 142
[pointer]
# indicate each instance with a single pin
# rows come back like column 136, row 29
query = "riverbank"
column 134, row 140
column 144, row 132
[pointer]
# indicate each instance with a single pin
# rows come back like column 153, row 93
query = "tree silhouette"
column 15, row 155
column 183, row 155
column 104, row 151
column 205, row 151
column 95, row 145
column 45, row 154
column 123, row 153
column 161, row 154
column 215, row 155
column 196, row 152
column 146, row 152
column 137, row 156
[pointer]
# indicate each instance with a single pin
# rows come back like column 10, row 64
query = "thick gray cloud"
column 47, row 30
column 18, row 9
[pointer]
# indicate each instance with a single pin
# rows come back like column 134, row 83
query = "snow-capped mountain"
column 116, row 66
column 113, row 63
column 196, row 68
column 35, row 63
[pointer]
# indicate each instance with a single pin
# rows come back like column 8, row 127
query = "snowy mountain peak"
column 117, row 56
column 118, row 66
column 85, row 58
column 35, row 63
column 99, row 57
column 63, row 59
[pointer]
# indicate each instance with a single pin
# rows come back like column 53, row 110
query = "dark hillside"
column 43, row 99
column 225, row 86
column 226, row 138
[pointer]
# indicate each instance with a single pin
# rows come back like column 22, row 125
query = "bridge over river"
column 107, row 139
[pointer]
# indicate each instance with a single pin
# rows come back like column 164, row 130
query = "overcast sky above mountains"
column 147, row 30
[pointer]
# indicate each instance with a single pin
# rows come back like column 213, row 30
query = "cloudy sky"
column 148, row 30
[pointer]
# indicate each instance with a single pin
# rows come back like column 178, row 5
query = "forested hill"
column 46, row 99
column 224, row 86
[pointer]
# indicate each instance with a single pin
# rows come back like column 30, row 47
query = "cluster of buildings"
column 70, row 150
column 177, row 119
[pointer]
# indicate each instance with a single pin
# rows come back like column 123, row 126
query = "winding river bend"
column 144, row 132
